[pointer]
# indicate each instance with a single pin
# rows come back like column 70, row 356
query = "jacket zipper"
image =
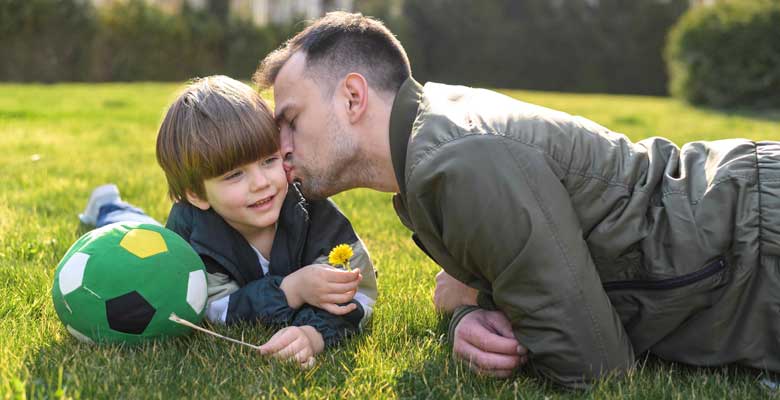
column 670, row 283
column 302, row 203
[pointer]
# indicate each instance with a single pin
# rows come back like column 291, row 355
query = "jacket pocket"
column 707, row 271
column 651, row 310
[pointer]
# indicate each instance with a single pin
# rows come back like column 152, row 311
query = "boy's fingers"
column 339, row 298
column 339, row 276
column 342, row 287
column 309, row 363
column 290, row 351
column 278, row 341
column 303, row 355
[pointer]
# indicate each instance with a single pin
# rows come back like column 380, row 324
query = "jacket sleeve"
column 333, row 328
column 261, row 300
column 495, row 215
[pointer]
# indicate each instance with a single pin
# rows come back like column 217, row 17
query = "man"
column 585, row 248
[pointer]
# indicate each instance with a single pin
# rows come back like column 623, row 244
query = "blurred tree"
column 728, row 54
column 219, row 9
column 45, row 40
column 574, row 45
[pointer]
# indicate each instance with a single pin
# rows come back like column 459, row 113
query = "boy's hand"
column 295, row 343
column 322, row 286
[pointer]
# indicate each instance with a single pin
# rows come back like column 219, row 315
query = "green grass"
column 58, row 142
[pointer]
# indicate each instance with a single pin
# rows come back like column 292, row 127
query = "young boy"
column 264, row 246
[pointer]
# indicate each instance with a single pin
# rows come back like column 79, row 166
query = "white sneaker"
column 101, row 196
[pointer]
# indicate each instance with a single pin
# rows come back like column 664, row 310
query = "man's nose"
column 286, row 145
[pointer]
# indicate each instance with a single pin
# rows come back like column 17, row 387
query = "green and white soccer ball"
column 120, row 283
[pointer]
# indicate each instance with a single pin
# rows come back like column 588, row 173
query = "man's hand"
column 451, row 293
column 484, row 340
column 295, row 343
column 322, row 286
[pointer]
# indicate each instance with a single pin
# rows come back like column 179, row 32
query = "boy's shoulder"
column 192, row 223
column 180, row 219
column 214, row 240
column 328, row 226
column 322, row 216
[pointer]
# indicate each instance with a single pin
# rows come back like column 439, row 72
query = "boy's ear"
column 196, row 201
column 355, row 92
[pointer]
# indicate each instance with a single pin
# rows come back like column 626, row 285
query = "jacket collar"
column 291, row 233
column 402, row 116
column 213, row 237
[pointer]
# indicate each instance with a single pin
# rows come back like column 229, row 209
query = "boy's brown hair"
column 216, row 124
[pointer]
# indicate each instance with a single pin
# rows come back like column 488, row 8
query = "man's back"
column 674, row 234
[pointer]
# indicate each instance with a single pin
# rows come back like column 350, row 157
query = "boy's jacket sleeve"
column 494, row 215
column 333, row 328
column 261, row 300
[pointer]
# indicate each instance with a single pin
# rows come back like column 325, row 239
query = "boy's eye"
column 231, row 175
column 270, row 160
column 292, row 123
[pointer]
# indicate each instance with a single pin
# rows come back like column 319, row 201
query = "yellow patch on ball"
column 143, row 243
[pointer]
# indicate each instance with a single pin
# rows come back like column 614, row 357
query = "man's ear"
column 355, row 91
column 196, row 201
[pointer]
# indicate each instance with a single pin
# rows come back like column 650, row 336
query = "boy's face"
column 249, row 197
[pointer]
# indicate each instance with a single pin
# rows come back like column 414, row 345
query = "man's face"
column 318, row 148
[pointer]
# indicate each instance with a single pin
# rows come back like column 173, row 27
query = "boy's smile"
column 263, row 204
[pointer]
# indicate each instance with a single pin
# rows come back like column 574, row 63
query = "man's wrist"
column 469, row 298
column 458, row 315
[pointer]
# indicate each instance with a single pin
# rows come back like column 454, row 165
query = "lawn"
column 59, row 141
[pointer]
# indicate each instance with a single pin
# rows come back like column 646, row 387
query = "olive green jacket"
column 596, row 248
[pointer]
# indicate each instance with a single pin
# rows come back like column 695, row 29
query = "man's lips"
column 289, row 171
column 287, row 164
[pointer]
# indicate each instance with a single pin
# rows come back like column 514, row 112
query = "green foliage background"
column 728, row 55
column 612, row 46
column 71, row 40
column 574, row 45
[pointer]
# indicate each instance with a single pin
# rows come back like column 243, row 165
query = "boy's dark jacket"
column 305, row 234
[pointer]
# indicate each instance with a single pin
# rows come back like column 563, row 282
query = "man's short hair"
column 340, row 43
column 216, row 124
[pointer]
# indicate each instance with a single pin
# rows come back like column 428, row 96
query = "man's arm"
column 450, row 293
column 505, row 219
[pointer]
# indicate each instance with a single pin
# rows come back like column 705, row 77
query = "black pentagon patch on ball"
column 129, row 313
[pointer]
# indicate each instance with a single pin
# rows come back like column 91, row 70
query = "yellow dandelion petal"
column 340, row 255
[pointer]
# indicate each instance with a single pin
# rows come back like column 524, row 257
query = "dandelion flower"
column 340, row 255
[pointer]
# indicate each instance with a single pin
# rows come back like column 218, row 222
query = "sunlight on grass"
column 60, row 141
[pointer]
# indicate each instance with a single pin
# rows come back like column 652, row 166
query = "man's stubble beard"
column 339, row 167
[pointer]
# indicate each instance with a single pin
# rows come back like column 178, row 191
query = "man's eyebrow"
column 279, row 114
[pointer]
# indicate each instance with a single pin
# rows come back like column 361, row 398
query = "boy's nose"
column 259, row 180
